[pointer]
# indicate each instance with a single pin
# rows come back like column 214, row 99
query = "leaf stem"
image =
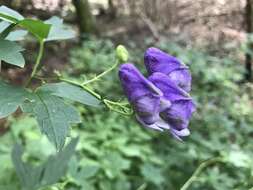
column 199, row 169
column 118, row 107
column 101, row 74
column 37, row 63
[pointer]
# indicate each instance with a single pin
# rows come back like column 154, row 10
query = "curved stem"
column 37, row 63
column 101, row 74
column 200, row 168
column 82, row 86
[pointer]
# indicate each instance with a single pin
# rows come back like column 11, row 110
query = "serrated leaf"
column 53, row 115
column 36, row 27
column 46, row 174
column 10, row 53
column 58, row 30
column 9, row 14
column 11, row 98
column 71, row 92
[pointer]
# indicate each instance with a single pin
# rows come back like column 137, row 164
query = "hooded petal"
column 135, row 85
column 179, row 114
column 170, row 90
column 159, row 61
column 142, row 94
column 181, row 77
column 147, row 108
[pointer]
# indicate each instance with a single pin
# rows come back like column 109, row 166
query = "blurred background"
column 115, row 153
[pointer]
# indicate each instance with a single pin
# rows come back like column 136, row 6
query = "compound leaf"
column 10, row 53
column 11, row 98
column 53, row 115
column 58, row 30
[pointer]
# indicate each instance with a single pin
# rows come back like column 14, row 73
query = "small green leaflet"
column 58, row 30
column 71, row 92
column 10, row 15
column 36, row 27
column 10, row 98
column 53, row 115
column 35, row 177
column 10, row 53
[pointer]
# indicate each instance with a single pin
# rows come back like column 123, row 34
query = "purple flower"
column 159, row 61
column 159, row 102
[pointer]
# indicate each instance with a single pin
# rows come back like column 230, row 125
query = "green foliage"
column 10, row 98
column 46, row 174
column 36, row 27
column 58, row 30
column 53, row 115
column 71, row 92
column 114, row 151
column 10, row 53
column 221, row 127
column 10, row 15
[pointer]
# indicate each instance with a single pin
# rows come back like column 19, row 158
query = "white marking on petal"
column 164, row 104
column 162, row 124
column 152, row 126
column 182, row 133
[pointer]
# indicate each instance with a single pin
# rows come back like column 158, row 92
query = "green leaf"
column 10, row 53
column 58, row 30
column 11, row 98
column 4, row 25
column 36, row 27
column 71, row 92
column 53, row 115
column 56, row 166
column 152, row 174
column 88, row 171
column 16, row 35
column 45, row 174
column 10, row 15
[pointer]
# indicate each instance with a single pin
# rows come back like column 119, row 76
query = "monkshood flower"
column 159, row 61
column 159, row 101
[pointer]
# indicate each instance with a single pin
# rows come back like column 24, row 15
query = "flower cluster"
column 162, row 100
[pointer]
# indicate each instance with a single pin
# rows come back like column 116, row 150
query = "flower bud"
column 122, row 53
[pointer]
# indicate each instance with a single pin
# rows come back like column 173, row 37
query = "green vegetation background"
column 115, row 153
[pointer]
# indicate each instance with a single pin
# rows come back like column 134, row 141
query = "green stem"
column 82, row 86
column 101, row 74
column 37, row 63
column 200, row 168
